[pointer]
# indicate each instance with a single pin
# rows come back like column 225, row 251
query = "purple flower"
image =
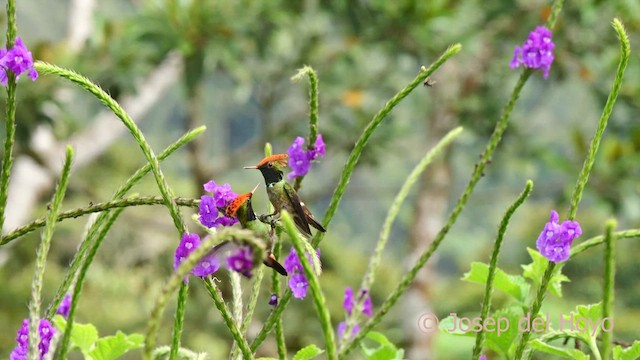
column 65, row 305
column 318, row 148
column 300, row 159
column 482, row 357
column 17, row 60
column 342, row 327
column 536, row 52
column 273, row 300
column 241, row 261
column 210, row 205
column 554, row 242
column 298, row 284
column 205, row 267
column 349, row 302
column 46, row 332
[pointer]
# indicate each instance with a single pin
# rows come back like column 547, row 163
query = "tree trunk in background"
column 430, row 211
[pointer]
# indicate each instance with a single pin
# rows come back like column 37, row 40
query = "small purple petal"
column 208, row 211
column 536, row 52
column 241, row 261
column 298, row 159
column 554, row 242
column 348, row 301
column 206, row 266
column 273, row 300
column 210, row 186
column 342, row 327
column 65, row 305
column 367, row 307
column 319, row 148
column 298, row 284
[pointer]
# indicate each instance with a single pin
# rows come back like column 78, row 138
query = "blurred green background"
column 227, row 65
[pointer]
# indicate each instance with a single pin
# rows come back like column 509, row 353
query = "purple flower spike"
column 241, row 261
column 554, row 242
column 299, row 285
column 342, row 327
column 64, row 307
column 205, row 267
column 211, row 206
column 300, row 159
column 482, row 357
column 299, row 162
column 348, row 301
column 16, row 60
column 536, row 52
column 46, row 332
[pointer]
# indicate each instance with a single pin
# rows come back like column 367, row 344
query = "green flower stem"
column 586, row 169
column 253, row 300
column 625, row 50
column 598, row 240
column 368, row 131
column 96, row 233
column 120, row 192
column 374, row 262
column 535, row 308
column 275, row 289
column 100, row 207
column 478, row 172
column 236, row 301
column 178, row 322
column 10, row 120
column 214, row 291
column 609, row 281
column 274, row 317
column 107, row 100
column 313, row 110
column 316, row 292
column 493, row 264
column 369, row 277
column 176, row 279
column 41, row 256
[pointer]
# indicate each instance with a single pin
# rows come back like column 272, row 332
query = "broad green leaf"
column 451, row 325
column 83, row 336
column 565, row 353
column 112, row 347
column 501, row 336
column 586, row 320
column 379, row 338
column 536, row 269
column 513, row 285
column 630, row 353
column 386, row 350
column 308, row 352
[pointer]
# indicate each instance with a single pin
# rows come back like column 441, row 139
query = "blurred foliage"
column 242, row 55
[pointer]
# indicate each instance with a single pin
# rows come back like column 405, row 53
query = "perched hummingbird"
column 282, row 195
column 241, row 209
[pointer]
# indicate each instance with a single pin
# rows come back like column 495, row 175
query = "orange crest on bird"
column 280, row 159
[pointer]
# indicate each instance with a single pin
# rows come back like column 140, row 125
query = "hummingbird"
column 282, row 195
column 241, row 209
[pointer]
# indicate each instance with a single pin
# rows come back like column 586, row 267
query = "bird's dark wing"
column 271, row 262
column 311, row 220
column 299, row 216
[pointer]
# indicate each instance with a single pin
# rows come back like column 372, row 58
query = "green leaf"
column 112, row 347
column 586, row 320
column 308, row 352
column 513, row 285
column 386, row 350
column 566, row 353
column 83, row 336
column 630, row 353
column 501, row 336
column 450, row 325
column 536, row 269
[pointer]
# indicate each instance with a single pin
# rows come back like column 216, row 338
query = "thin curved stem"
column 493, row 265
column 100, row 207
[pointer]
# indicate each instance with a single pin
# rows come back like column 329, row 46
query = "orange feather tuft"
column 281, row 159
column 235, row 204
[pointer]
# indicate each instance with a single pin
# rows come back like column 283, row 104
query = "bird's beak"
column 255, row 188
column 251, row 167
